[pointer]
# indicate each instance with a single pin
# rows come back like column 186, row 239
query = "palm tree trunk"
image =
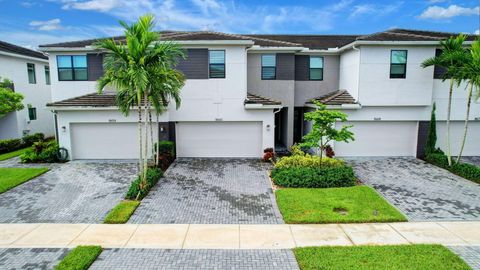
column 449, row 111
column 150, row 123
column 145, row 153
column 140, row 135
column 469, row 102
column 157, row 145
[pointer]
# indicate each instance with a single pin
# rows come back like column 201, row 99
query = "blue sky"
column 30, row 23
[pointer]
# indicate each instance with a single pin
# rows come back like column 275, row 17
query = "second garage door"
column 380, row 139
column 219, row 139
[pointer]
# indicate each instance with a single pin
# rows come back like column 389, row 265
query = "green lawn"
column 80, row 258
column 122, row 212
column 379, row 258
column 12, row 177
column 335, row 205
column 13, row 154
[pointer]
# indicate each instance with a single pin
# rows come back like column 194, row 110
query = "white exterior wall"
column 459, row 101
column 37, row 95
column 350, row 72
column 377, row 89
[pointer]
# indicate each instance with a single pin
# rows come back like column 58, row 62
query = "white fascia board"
column 67, row 49
column 393, row 43
column 82, row 108
column 23, row 57
column 330, row 51
column 262, row 107
column 260, row 49
column 214, row 42
column 337, row 107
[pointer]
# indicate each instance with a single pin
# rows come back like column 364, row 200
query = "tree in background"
column 432, row 133
column 323, row 128
column 142, row 72
column 9, row 100
column 451, row 59
column 470, row 72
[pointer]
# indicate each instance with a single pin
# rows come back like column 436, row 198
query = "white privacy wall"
column 37, row 95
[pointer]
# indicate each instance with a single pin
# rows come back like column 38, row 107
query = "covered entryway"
column 219, row 139
column 380, row 139
column 104, row 140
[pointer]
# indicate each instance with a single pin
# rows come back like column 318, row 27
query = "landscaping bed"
column 403, row 257
column 14, row 147
column 335, row 205
column 465, row 170
column 12, row 154
column 12, row 177
column 80, row 258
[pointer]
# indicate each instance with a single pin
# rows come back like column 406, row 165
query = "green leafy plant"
column 320, row 177
column 41, row 152
column 465, row 170
column 11, row 101
column 308, row 161
column 10, row 145
column 432, row 133
column 122, row 212
column 139, row 188
column 80, row 258
column 33, row 138
column 323, row 129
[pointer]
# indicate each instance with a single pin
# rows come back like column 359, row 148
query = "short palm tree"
column 471, row 73
column 141, row 69
column 451, row 59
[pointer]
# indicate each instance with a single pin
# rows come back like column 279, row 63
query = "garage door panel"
column 104, row 141
column 472, row 143
column 380, row 139
column 219, row 139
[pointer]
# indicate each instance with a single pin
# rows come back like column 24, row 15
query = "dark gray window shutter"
column 285, row 66
column 302, row 67
column 195, row 65
column 95, row 66
column 438, row 71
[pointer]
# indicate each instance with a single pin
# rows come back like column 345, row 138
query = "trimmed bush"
column 308, row 161
column 465, row 170
column 321, row 177
column 166, row 147
column 139, row 190
column 10, row 145
column 33, row 138
column 41, row 152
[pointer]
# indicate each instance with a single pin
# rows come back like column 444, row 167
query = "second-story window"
column 72, row 67
column 316, row 68
column 216, row 64
column 31, row 73
column 269, row 66
column 398, row 64
column 47, row 75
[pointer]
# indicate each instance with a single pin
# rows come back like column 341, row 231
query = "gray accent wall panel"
column 285, row 66
column 195, row 66
column 95, row 66
column 302, row 66
column 422, row 138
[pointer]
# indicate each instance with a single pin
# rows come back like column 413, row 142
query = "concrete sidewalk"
column 208, row 236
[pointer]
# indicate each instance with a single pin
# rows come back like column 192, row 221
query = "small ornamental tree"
column 9, row 100
column 432, row 133
column 323, row 130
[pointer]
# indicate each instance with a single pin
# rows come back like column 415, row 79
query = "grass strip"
column 80, row 258
column 12, row 177
column 400, row 257
column 335, row 205
column 122, row 212
column 15, row 153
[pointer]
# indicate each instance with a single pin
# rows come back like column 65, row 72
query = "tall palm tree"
column 451, row 59
column 135, row 68
column 471, row 73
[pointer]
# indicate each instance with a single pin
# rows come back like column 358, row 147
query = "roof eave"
column 262, row 106
column 393, row 43
column 355, row 106
column 24, row 56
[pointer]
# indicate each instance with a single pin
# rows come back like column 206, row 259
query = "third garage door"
column 380, row 139
column 219, row 139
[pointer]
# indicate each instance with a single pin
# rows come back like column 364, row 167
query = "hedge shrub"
column 31, row 139
column 465, row 170
column 11, row 145
column 308, row 161
column 41, row 152
column 166, row 147
column 320, row 177
column 137, row 191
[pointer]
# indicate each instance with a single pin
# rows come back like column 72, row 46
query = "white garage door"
column 472, row 144
column 104, row 141
column 219, row 139
column 380, row 139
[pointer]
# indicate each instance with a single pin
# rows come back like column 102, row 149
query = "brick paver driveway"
column 475, row 160
column 73, row 192
column 219, row 191
column 420, row 190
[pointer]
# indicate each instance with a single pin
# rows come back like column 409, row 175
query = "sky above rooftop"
column 30, row 23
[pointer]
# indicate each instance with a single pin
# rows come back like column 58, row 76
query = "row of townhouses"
column 245, row 93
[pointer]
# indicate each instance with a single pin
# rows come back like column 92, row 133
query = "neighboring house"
column 29, row 71
column 245, row 93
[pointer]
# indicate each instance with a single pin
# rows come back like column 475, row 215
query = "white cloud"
column 435, row 1
column 50, row 25
column 477, row 32
column 97, row 5
column 439, row 13
column 31, row 40
column 374, row 9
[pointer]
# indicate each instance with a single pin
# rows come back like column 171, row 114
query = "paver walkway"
column 209, row 236
column 420, row 190
column 475, row 160
column 211, row 191
column 71, row 192
column 470, row 254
